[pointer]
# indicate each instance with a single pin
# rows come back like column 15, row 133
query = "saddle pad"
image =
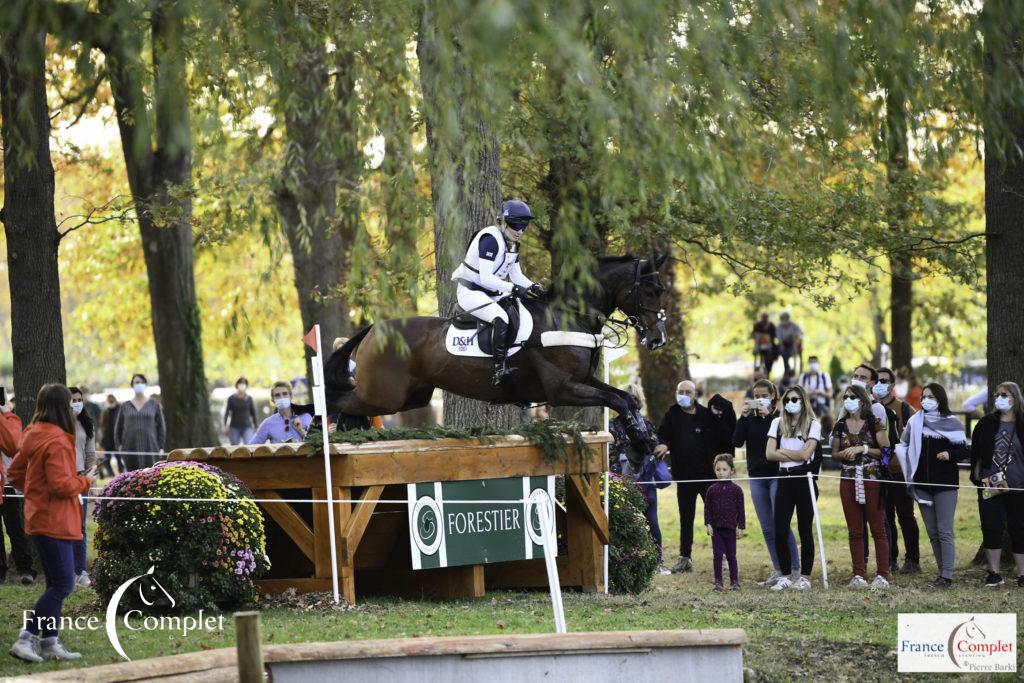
column 584, row 339
column 460, row 342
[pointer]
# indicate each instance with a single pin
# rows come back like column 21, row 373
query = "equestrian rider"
column 490, row 271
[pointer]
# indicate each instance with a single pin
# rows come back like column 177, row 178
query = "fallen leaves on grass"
column 319, row 602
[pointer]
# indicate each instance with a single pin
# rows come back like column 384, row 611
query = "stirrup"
column 501, row 373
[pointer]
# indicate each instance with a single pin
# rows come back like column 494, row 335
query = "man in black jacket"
column 694, row 435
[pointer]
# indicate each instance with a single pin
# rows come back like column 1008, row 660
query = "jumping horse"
column 554, row 359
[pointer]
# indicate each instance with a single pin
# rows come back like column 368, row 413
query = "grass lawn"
column 840, row 634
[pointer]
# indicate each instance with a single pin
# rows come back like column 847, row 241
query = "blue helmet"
column 516, row 214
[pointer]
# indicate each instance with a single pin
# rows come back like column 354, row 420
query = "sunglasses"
column 518, row 226
column 849, row 396
column 793, row 399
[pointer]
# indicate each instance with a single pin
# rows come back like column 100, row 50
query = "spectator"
column 630, row 463
column 85, row 464
column 284, row 425
column 108, row 419
column 790, row 343
column 752, row 431
column 913, row 397
column 818, row 386
column 44, row 469
column 899, row 504
column 793, row 439
column 865, row 376
column 758, row 376
column 91, row 408
column 11, row 506
column 998, row 464
column 857, row 441
column 929, row 449
column 841, row 383
column 240, row 414
column 690, row 432
column 725, row 520
column 764, row 344
column 140, row 430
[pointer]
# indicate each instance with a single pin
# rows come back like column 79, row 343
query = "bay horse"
column 388, row 380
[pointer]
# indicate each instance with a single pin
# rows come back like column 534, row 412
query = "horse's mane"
column 616, row 259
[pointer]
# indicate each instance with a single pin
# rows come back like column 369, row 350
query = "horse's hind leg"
column 419, row 397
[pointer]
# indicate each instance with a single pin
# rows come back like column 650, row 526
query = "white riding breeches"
column 479, row 304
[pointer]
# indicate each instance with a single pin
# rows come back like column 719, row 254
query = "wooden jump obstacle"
column 372, row 538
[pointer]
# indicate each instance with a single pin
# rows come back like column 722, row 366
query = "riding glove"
column 517, row 292
column 536, row 289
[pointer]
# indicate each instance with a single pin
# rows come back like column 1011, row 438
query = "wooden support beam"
column 360, row 519
column 591, row 507
column 289, row 521
column 586, row 552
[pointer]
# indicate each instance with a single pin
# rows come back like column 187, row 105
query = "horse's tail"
column 337, row 379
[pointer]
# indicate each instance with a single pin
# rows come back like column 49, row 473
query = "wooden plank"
column 289, row 521
column 321, row 529
column 357, row 523
column 277, row 473
column 586, row 552
column 591, row 508
column 384, row 532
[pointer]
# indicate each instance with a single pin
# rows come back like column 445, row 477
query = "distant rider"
column 491, row 270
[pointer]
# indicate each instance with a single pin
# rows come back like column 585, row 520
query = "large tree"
column 28, row 215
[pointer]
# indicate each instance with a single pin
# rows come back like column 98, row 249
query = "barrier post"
column 247, row 646
column 817, row 521
column 551, row 563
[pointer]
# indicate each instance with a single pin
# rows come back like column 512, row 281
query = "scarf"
column 922, row 424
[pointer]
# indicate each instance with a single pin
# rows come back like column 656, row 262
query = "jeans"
column 938, row 522
column 10, row 514
column 686, row 499
column 762, row 493
column 651, row 513
column 80, row 546
column 723, row 542
column 240, row 436
column 1005, row 510
column 794, row 494
column 899, row 508
column 874, row 512
column 57, row 558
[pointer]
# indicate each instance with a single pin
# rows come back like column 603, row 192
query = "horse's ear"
column 659, row 261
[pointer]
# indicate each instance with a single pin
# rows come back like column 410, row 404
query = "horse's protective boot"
column 499, row 345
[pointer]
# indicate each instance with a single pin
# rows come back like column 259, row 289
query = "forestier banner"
column 444, row 531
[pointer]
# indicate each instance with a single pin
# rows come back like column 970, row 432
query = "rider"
column 491, row 271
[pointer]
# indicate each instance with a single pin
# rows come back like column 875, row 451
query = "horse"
column 555, row 364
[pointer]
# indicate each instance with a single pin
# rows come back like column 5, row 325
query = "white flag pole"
column 320, row 405
column 608, row 354
column 817, row 520
column 551, row 563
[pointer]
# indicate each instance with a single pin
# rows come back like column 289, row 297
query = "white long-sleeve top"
column 492, row 263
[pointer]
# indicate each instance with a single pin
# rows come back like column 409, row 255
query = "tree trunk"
column 37, row 335
column 901, row 294
column 663, row 369
column 465, row 177
column 159, row 166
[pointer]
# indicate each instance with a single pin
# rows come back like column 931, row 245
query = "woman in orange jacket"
column 44, row 469
column 10, row 440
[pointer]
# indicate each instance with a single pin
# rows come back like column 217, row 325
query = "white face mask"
column 1002, row 404
column 242, row 387
column 814, row 366
column 139, row 388
column 929, row 404
column 793, row 408
column 858, row 383
column 880, row 390
column 765, row 402
column 852, row 405
column 76, row 407
column 283, row 403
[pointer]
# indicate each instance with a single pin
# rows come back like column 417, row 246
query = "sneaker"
column 782, row 584
column 28, row 578
column 735, row 585
column 940, row 582
column 51, row 650
column 911, row 568
column 26, row 648
column 717, row 587
column 772, row 579
column 83, row 580
column 683, row 564
column 857, row 582
column 802, row 584
column 880, row 583
column 663, row 570
column 993, row 580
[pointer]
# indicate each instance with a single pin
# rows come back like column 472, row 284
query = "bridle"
column 633, row 296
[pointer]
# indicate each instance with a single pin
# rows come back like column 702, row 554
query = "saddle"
column 470, row 336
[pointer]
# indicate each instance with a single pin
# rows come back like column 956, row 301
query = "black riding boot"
column 499, row 343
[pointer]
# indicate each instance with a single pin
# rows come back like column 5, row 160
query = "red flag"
column 310, row 338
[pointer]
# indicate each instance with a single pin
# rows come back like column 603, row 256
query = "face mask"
column 814, row 367
column 1002, row 404
column 76, row 407
column 929, row 404
column 139, row 388
column 765, row 402
column 793, row 408
column 243, row 386
column 851, row 405
column 880, row 390
column 684, row 401
column 283, row 403
column 858, row 383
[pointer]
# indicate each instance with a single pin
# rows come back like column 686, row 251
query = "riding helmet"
column 516, row 214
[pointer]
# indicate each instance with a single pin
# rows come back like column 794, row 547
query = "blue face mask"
column 684, row 401
column 1002, row 404
column 283, row 403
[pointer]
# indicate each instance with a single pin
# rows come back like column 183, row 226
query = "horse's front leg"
column 640, row 436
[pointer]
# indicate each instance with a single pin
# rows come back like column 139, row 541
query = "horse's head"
column 639, row 297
